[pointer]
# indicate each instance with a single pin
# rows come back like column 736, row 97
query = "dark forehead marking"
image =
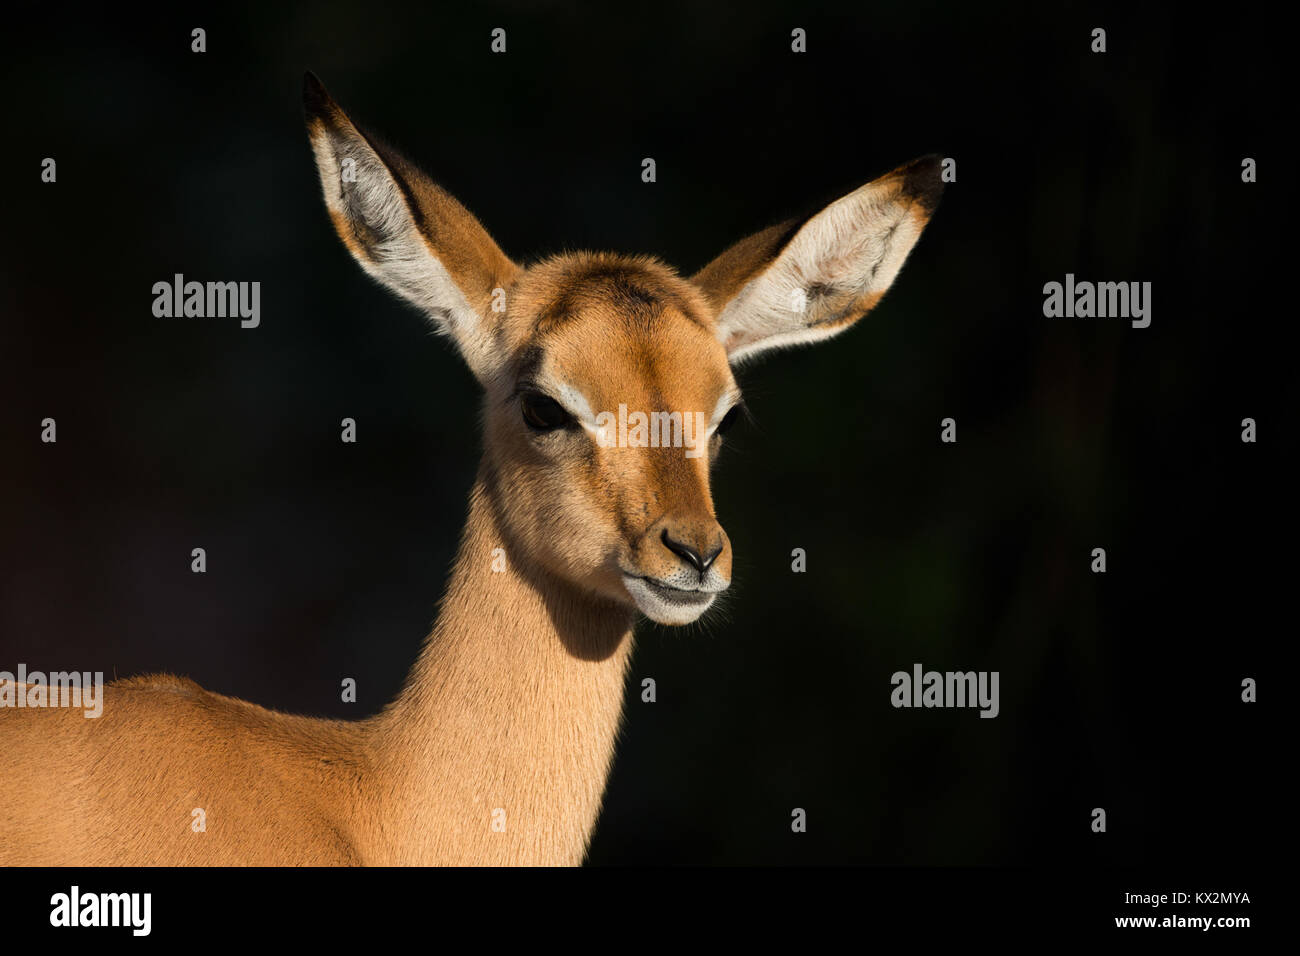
column 629, row 290
column 528, row 363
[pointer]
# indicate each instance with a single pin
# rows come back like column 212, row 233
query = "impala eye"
column 543, row 414
column 728, row 419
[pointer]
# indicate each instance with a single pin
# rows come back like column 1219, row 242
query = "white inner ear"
column 851, row 249
column 397, row 255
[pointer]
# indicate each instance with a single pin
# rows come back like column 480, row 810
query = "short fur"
column 510, row 713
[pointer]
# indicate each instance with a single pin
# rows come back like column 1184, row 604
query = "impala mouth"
column 665, row 604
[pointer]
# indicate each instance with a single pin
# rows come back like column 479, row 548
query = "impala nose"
column 689, row 554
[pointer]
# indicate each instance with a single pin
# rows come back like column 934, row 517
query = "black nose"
column 687, row 553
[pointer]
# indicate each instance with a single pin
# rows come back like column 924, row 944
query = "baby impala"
column 607, row 387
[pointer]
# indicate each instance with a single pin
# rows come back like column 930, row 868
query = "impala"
column 497, row 748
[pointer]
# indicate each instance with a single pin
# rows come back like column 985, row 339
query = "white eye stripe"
column 576, row 404
column 726, row 403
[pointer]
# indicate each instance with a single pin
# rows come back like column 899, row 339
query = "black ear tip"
column 315, row 100
column 923, row 180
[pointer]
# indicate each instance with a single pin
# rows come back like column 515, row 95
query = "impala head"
column 608, row 379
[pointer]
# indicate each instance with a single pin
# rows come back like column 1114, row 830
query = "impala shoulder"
column 163, row 683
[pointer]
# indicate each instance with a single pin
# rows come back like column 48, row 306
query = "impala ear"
column 407, row 232
column 808, row 279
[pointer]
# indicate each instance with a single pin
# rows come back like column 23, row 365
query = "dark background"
column 326, row 560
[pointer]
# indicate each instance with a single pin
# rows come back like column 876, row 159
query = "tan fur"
column 514, row 702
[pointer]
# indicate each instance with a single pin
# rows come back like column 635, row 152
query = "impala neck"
column 498, row 747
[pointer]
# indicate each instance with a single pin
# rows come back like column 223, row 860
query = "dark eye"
column 544, row 414
column 728, row 420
